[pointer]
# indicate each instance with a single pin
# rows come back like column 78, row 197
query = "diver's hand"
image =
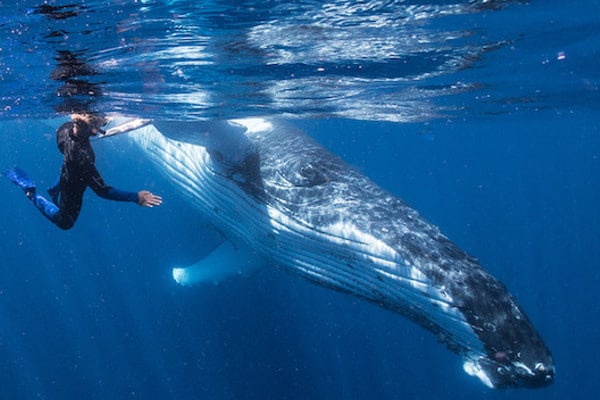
column 147, row 199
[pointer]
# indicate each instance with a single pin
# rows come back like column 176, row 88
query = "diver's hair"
column 90, row 116
column 83, row 114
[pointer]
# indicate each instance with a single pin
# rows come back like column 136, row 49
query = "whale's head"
column 504, row 350
column 531, row 368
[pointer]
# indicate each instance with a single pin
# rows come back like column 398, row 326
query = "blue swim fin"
column 20, row 178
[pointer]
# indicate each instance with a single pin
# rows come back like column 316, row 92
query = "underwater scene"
column 343, row 199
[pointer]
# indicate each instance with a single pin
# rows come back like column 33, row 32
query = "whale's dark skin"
column 303, row 208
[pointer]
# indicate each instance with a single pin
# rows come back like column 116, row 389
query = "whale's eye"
column 305, row 174
column 312, row 175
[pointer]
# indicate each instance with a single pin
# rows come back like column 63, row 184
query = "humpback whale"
column 282, row 199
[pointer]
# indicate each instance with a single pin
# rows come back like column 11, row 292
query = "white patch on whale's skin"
column 254, row 125
column 473, row 368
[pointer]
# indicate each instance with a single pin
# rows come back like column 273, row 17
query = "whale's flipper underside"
column 225, row 261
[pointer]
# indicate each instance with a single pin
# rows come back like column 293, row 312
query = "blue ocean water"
column 482, row 115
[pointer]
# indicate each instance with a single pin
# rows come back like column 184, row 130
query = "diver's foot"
column 20, row 178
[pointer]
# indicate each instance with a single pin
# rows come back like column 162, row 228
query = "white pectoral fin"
column 225, row 261
column 119, row 125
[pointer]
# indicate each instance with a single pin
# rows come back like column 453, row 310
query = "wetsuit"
column 77, row 173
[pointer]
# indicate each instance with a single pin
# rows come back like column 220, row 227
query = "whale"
column 279, row 198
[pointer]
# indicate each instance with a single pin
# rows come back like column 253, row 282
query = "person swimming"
column 78, row 172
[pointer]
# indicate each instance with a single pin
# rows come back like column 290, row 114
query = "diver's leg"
column 71, row 200
column 54, row 191
column 46, row 207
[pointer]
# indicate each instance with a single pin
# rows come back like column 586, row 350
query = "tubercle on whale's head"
column 503, row 371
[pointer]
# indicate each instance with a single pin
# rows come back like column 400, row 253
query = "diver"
column 77, row 173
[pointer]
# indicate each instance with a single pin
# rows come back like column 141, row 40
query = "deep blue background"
column 512, row 176
column 93, row 312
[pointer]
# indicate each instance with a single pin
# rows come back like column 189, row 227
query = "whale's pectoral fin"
column 118, row 125
column 225, row 261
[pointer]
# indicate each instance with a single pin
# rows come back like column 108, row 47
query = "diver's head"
column 93, row 123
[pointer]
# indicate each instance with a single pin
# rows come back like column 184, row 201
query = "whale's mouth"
column 513, row 375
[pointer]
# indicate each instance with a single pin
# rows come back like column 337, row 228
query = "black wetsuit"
column 77, row 173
